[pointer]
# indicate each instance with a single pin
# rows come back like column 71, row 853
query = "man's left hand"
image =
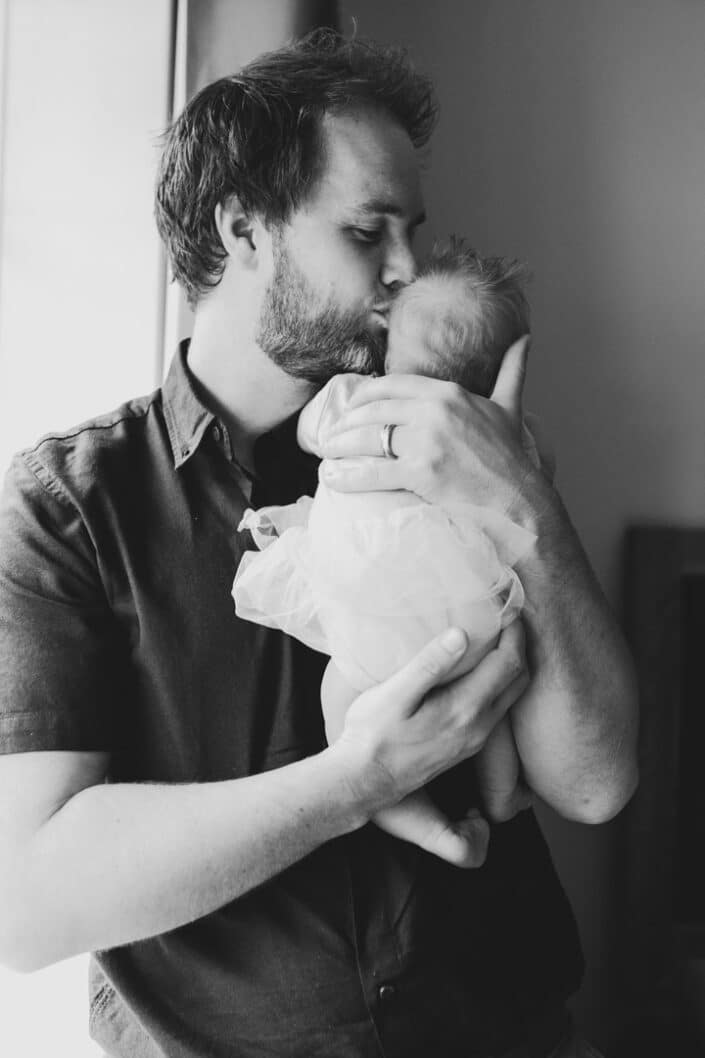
column 451, row 446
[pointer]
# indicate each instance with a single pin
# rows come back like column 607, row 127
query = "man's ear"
column 239, row 232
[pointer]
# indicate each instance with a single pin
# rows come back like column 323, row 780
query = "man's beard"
column 310, row 340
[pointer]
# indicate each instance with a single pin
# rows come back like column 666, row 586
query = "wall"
column 84, row 88
column 573, row 136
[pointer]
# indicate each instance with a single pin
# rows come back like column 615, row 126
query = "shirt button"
column 386, row 993
column 184, row 451
column 217, row 434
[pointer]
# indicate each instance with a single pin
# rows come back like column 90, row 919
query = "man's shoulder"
column 68, row 462
column 109, row 428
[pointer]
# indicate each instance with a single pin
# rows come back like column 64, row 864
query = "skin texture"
column 85, row 865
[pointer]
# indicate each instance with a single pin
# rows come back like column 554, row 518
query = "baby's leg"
column 418, row 820
column 415, row 818
column 499, row 775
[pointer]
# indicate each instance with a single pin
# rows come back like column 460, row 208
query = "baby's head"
column 458, row 318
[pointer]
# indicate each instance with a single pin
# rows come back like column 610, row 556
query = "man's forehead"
column 369, row 166
column 386, row 206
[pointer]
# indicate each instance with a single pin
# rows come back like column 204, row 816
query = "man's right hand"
column 86, row 864
column 402, row 733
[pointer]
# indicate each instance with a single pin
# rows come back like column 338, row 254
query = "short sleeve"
column 59, row 644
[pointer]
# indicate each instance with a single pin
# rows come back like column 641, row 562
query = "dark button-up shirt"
column 118, row 548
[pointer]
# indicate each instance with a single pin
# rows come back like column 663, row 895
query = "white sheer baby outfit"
column 369, row 578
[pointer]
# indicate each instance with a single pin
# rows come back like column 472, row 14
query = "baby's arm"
column 498, row 773
column 323, row 411
column 337, row 695
column 415, row 818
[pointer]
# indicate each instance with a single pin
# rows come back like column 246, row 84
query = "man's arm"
column 86, row 865
column 576, row 726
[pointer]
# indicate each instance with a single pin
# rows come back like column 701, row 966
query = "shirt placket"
column 376, row 900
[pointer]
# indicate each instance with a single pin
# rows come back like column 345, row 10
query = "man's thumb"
column 509, row 387
column 431, row 665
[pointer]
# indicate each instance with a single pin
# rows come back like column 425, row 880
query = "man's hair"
column 474, row 319
column 257, row 135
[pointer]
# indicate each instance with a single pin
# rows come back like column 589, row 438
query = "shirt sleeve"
column 59, row 644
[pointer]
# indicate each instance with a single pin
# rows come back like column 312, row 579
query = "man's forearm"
column 118, row 863
column 576, row 726
column 86, row 866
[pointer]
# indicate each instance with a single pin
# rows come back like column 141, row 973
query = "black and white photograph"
column 352, row 529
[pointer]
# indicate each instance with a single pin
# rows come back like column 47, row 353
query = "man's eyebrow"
column 380, row 205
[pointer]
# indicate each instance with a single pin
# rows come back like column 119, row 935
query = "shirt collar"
column 277, row 454
column 186, row 416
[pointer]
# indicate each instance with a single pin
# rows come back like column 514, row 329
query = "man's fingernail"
column 453, row 640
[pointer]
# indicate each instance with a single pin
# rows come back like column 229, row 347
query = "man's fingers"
column 500, row 677
column 366, row 474
column 429, row 667
column 361, row 441
column 393, row 387
column 544, row 445
column 509, row 387
column 375, row 413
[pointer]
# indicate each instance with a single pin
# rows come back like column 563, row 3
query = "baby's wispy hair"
column 467, row 335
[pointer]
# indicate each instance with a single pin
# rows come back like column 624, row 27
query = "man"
column 224, row 875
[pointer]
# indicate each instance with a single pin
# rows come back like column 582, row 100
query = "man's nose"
column 398, row 268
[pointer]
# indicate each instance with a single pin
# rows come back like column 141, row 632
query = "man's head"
column 459, row 317
column 308, row 153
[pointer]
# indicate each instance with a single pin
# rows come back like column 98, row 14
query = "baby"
column 369, row 578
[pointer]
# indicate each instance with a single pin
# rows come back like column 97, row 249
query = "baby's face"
column 417, row 339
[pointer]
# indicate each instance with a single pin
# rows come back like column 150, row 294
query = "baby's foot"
column 418, row 820
column 462, row 842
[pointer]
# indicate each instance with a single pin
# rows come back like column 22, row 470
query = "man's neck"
column 241, row 384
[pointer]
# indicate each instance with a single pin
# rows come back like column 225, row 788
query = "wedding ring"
column 386, row 438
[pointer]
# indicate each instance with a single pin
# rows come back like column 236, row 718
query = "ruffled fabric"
column 370, row 578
